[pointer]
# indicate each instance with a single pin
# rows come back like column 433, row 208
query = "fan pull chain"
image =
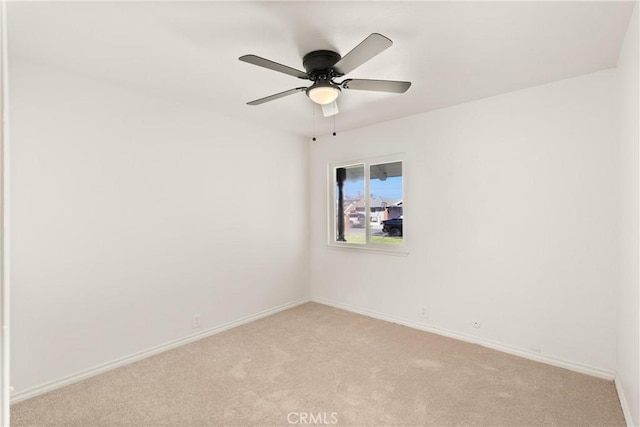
column 313, row 108
column 335, row 113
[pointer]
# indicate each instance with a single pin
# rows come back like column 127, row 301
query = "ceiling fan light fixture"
column 323, row 92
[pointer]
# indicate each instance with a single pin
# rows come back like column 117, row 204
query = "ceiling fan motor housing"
column 319, row 64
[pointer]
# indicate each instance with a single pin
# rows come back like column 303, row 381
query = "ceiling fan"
column 323, row 67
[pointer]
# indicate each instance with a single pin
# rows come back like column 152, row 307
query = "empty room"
column 320, row 213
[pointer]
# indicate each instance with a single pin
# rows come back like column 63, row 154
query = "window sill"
column 370, row 249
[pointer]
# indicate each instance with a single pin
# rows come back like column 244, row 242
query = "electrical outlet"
column 476, row 323
column 423, row 311
column 195, row 323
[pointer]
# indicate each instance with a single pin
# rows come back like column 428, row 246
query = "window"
column 367, row 204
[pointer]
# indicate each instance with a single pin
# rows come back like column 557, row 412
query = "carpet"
column 317, row 365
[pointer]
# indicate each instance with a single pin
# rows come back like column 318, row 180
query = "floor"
column 317, row 365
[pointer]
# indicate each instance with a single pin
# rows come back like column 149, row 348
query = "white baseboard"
column 87, row 373
column 623, row 402
column 577, row 367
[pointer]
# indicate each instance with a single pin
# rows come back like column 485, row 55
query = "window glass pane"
column 350, row 198
column 386, row 203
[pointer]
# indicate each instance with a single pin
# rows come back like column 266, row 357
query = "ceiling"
column 452, row 52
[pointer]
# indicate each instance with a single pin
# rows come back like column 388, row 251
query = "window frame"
column 368, row 245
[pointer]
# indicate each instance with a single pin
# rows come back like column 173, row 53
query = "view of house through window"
column 369, row 203
column 350, row 190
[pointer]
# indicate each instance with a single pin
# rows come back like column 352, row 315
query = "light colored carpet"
column 319, row 365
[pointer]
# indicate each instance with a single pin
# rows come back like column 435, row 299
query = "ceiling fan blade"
column 330, row 109
column 367, row 49
column 266, row 63
column 392, row 86
column 276, row 96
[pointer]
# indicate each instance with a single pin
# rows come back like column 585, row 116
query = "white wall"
column 131, row 214
column 511, row 220
column 628, row 352
column 4, row 287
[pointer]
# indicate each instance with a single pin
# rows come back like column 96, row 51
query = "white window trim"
column 371, row 247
